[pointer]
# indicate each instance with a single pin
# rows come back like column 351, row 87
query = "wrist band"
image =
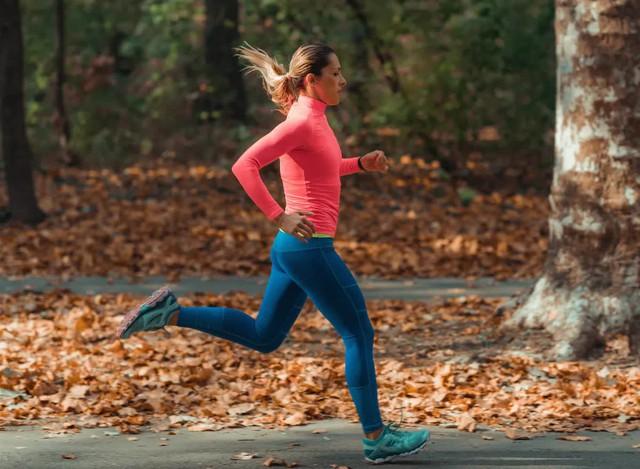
column 360, row 164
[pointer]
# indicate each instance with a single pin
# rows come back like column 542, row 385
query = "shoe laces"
column 394, row 427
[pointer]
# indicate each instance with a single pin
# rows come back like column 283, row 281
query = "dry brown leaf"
column 240, row 409
column 271, row 461
column 78, row 391
column 204, row 427
column 244, row 456
column 131, row 429
column 466, row 423
column 516, row 435
column 574, row 438
column 297, row 418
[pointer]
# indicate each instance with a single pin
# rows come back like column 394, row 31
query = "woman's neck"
column 310, row 95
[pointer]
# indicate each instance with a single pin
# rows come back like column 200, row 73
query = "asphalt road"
column 29, row 447
column 372, row 288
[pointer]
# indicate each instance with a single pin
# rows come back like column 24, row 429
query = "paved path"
column 372, row 288
column 22, row 448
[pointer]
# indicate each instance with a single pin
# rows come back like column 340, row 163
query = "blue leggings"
column 299, row 270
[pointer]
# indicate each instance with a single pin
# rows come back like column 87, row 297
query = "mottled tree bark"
column 589, row 289
column 15, row 146
column 220, row 36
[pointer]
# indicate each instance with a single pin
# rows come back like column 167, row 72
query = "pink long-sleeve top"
column 311, row 165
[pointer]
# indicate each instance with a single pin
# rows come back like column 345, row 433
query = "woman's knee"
column 361, row 334
column 270, row 345
column 369, row 331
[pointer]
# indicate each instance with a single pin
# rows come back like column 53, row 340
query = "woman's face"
column 329, row 85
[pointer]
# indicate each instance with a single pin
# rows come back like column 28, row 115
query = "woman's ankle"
column 375, row 434
column 174, row 318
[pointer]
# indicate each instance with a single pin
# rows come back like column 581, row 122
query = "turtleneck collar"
column 312, row 103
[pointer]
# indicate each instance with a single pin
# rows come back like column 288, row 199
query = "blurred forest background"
column 136, row 108
column 467, row 82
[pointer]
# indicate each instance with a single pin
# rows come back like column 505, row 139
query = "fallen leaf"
column 204, row 427
column 173, row 419
column 240, row 409
column 466, row 423
column 296, row 418
column 574, row 438
column 78, row 391
column 244, row 456
column 124, row 428
column 515, row 435
column 271, row 461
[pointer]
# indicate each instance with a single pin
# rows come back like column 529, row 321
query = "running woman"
column 304, row 261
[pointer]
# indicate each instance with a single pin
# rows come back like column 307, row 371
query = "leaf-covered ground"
column 440, row 363
column 177, row 220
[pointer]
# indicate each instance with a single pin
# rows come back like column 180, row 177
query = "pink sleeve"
column 283, row 138
column 349, row 166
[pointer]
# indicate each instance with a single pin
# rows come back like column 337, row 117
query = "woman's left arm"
column 375, row 161
column 349, row 166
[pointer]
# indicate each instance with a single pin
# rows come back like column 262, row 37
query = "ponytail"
column 283, row 86
column 280, row 85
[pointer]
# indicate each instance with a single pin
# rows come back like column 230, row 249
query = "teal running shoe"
column 151, row 315
column 393, row 442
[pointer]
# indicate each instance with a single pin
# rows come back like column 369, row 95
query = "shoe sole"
column 389, row 458
column 133, row 314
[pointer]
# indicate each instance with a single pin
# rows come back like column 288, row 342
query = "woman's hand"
column 296, row 224
column 375, row 161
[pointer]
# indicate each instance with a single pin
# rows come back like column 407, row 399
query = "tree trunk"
column 589, row 288
column 62, row 124
column 15, row 146
column 361, row 73
column 386, row 60
column 221, row 35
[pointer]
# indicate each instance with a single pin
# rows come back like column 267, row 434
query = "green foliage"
column 136, row 72
column 477, row 64
column 466, row 195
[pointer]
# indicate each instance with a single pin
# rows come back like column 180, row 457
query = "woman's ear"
column 309, row 80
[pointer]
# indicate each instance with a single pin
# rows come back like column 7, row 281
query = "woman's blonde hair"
column 283, row 86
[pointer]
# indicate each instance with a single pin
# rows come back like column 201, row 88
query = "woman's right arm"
column 286, row 136
column 282, row 139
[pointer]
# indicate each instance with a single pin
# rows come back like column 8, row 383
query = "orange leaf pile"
column 180, row 220
column 58, row 358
